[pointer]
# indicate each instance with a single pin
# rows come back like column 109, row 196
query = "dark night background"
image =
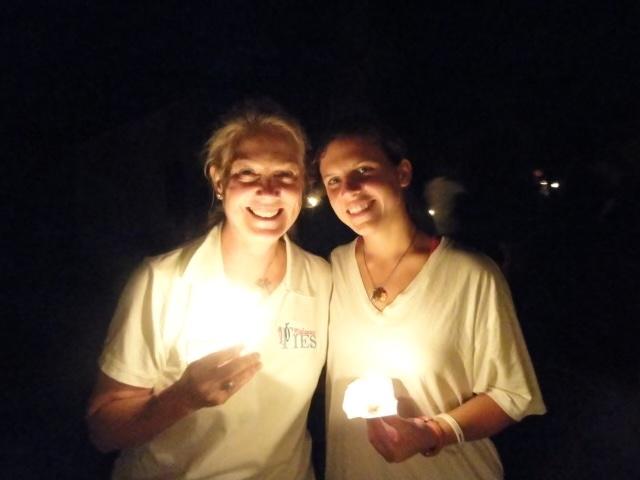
column 106, row 106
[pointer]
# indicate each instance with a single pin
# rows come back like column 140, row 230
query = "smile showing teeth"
column 265, row 213
column 355, row 209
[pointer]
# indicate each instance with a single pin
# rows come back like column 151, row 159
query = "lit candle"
column 370, row 397
column 237, row 317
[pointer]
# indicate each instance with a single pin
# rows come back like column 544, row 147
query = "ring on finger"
column 228, row 385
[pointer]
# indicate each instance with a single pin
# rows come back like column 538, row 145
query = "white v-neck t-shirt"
column 451, row 334
column 179, row 307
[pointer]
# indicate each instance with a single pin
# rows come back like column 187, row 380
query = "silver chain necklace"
column 263, row 282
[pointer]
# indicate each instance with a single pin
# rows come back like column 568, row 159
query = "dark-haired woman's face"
column 363, row 186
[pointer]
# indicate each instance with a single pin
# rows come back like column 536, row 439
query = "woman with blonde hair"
column 215, row 348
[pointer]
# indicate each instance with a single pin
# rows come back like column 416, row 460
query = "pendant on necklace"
column 379, row 295
column 263, row 283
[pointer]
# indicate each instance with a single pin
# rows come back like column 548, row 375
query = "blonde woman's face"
column 262, row 192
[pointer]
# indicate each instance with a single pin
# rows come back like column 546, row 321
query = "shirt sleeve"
column 502, row 366
column 131, row 352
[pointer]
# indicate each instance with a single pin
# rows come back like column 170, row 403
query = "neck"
column 391, row 240
column 245, row 260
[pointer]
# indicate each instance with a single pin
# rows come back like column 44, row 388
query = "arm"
column 397, row 438
column 479, row 417
column 123, row 416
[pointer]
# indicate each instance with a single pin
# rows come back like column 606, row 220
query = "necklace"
column 379, row 295
column 263, row 282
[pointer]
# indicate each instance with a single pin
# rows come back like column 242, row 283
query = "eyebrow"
column 290, row 164
column 356, row 162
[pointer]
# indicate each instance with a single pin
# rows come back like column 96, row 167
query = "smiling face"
column 363, row 186
column 262, row 187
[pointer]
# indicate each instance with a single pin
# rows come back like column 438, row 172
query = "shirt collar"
column 203, row 263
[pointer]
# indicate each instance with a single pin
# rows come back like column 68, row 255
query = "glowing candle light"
column 370, row 397
column 238, row 317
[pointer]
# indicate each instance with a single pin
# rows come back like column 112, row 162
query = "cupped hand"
column 397, row 438
column 213, row 379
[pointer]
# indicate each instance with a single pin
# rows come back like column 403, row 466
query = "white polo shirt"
column 178, row 307
column 451, row 334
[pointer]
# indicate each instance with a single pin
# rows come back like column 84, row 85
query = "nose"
column 350, row 185
column 268, row 186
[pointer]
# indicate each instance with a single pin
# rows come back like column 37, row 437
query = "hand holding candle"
column 370, row 397
column 211, row 380
column 397, row 438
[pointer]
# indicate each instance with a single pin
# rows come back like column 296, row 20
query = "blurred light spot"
column 555, row 185
column 432, row 212
column 312, row 201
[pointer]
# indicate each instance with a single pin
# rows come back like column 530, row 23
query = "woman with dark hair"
column 435, row 321
column 176, row 392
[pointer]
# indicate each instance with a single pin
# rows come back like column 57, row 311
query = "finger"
column 374, row 427
column 382, row 450
column 237, row 381
column 237, row 365
column 228, row 387
column 377, row 438
column 222, row 356
column 392, row 426
column 385, row 431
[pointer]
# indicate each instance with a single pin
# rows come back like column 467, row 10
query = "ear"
column 404, row 171
column 216, row 180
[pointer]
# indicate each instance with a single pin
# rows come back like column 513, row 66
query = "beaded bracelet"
column 435, row 427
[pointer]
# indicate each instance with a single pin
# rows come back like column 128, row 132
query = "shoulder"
column 174, row 262
column 467, row 262
column 311, row 263
column 342, row 253
column 310, row 274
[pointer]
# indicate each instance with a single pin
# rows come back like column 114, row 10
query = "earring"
column 219, row 196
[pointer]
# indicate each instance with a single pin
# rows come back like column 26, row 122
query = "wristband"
column 455, row 426
column 435, row 427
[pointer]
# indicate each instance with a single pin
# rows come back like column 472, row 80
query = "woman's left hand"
column 397, row 438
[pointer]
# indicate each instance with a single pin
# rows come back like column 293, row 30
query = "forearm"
column 127, row 422
column 479, row 417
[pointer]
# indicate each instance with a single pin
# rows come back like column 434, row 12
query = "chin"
column 362, row 229
column 267, row 233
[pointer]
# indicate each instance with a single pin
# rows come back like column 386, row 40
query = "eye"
column 245, row 174
column 332, row 181
column 363, row 169
column 287, row 176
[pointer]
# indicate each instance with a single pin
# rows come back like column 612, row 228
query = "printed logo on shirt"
column 291, row 337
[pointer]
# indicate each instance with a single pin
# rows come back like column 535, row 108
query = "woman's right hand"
column 213, row 379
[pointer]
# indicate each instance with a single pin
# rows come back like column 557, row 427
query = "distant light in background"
column 440, row 195
column 312, row 201
column 544, row 185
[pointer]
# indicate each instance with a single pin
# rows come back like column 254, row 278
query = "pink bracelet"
column 435, row 427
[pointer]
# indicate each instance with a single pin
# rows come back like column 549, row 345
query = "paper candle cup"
column 370, row 397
